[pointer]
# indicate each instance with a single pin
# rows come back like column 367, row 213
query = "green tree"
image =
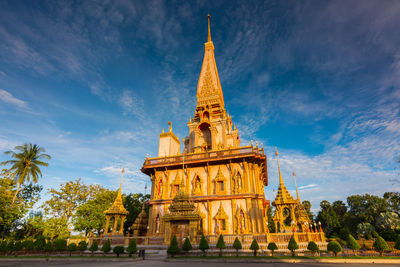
column 71, row 248
column 29, row 245
column 118, row 250
column 64, row 202
column 334, row 247
column 339, row 208
column 328, row 217
column 90, row 215
column 388, row 221
column 131, row 249
column 94, row 247
column 55, row 228
column 307, row 207
column 366, row 207
column 82, row 246
column 237, row 245
column 3, row 246
column 292, row 246
column 393, row 200
column 365, row 230
column 353, row 244
column 106, row 247
column 313, row 247
column 18, row 246
column 380, row 245
column 60, row 244
column 254, row 247
column 10, row 247
column 272, row 246
column 134, row 203
column 344, row 233
column 12, row 212
column 220, row 244
column 187, row 245
column 173, row 247
column 203, row 246
column 271, row 224
column 26, row 163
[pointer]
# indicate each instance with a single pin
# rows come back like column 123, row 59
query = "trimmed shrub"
column 237, row 245
column 173, row 247
column 29, row 245
column 60, row 245
column 118, row 250
column 380, row 245
column 186, row 245
column 94, row 247
column 203, row 246
column 397, row 244
column 18, row 246
column 313, row 247
column 272, row 246
column 353, row 244
column 40, row 243
column 220, row 244
column 375, row 234
column 106, row 247
column 48, row 247
column 71, row 248
column 3, row 246
column 334, row 247
column 254, row 247
column 10, row 247
column 82, row 246
column 131, row 249
column 292, row 246
column 344, row 233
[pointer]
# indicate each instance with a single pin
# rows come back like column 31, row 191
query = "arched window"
column 242, row 221
column 157, row 224
column 205, row 141
column 239, row 180
column 206, row 115
column 197, row 184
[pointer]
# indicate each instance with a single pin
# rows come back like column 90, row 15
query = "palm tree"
column 26, row 162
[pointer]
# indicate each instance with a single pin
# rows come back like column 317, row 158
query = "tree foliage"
column 237, row 245
column 186, row 245
column 220, row 244
column 94, row 246
column 131, row 249
column 118, row 250
column 388, row 221
column 25, row 165
column 271, row 224
column 60, row 244
column 106, row 246
column 307, row 207
column 380, row 245
column 353, row 244
column 133, row 203
column 313, row 247
column 203, row 246
column 254, row 247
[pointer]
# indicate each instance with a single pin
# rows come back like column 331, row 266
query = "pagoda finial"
column 120, row 184
column 170, row 126
column 297, row 191
column 279, row 168
column 209, row 31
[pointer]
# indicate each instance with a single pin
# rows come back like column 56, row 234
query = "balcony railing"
column 220, row 154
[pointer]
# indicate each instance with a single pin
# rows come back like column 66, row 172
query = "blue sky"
column 94, row 82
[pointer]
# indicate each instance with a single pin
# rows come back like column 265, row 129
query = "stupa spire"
column 209, row 31
column 279, row 168
column 297, row 190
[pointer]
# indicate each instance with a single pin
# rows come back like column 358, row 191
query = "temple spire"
column 279, row 168
column 297, row 190
column 209, row 31
column 120, row 184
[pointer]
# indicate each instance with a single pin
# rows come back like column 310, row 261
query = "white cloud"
column 10, row 99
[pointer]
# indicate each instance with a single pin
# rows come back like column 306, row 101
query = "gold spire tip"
column 209, row 31
column 276, row 151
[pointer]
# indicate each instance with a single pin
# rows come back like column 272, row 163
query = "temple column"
column 250, row 214
column 209, row 204
column 107, row 224
column 121, row 228
column 116, row 218
column 208, row 180
column 213, row 131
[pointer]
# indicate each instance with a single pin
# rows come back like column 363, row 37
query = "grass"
column 284, row 257
column 67, row 257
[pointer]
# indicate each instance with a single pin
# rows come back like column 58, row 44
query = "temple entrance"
column 181, row 230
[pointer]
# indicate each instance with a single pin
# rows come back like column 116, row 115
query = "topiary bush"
column 344, row 233
column 94, row 247
column 18, row 246
column 40, row 243
column 48, row 247
column 29, row 245
column 203, row 246
column 186, row 245
column 60, row 245
column 82, row 246
column 272, row 246
column 237, row 245
column 380, row 245
column 334, row 247
column 10, row 247
column 3, row 246
column 397, row 244
column 173, row 247
column 254, row 247
column 353, row 244
column 118, row 250
column 131, row 249
column 106, row 247
column 71, row 248
column 292, row 246
column 313, row 247
column 220, row 244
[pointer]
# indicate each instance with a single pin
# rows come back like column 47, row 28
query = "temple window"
column 160, row 187
column 221, row 185
column 242, row 221
column 239, row 180
column 197, row 186
column 219, row 180
column 157, row 224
